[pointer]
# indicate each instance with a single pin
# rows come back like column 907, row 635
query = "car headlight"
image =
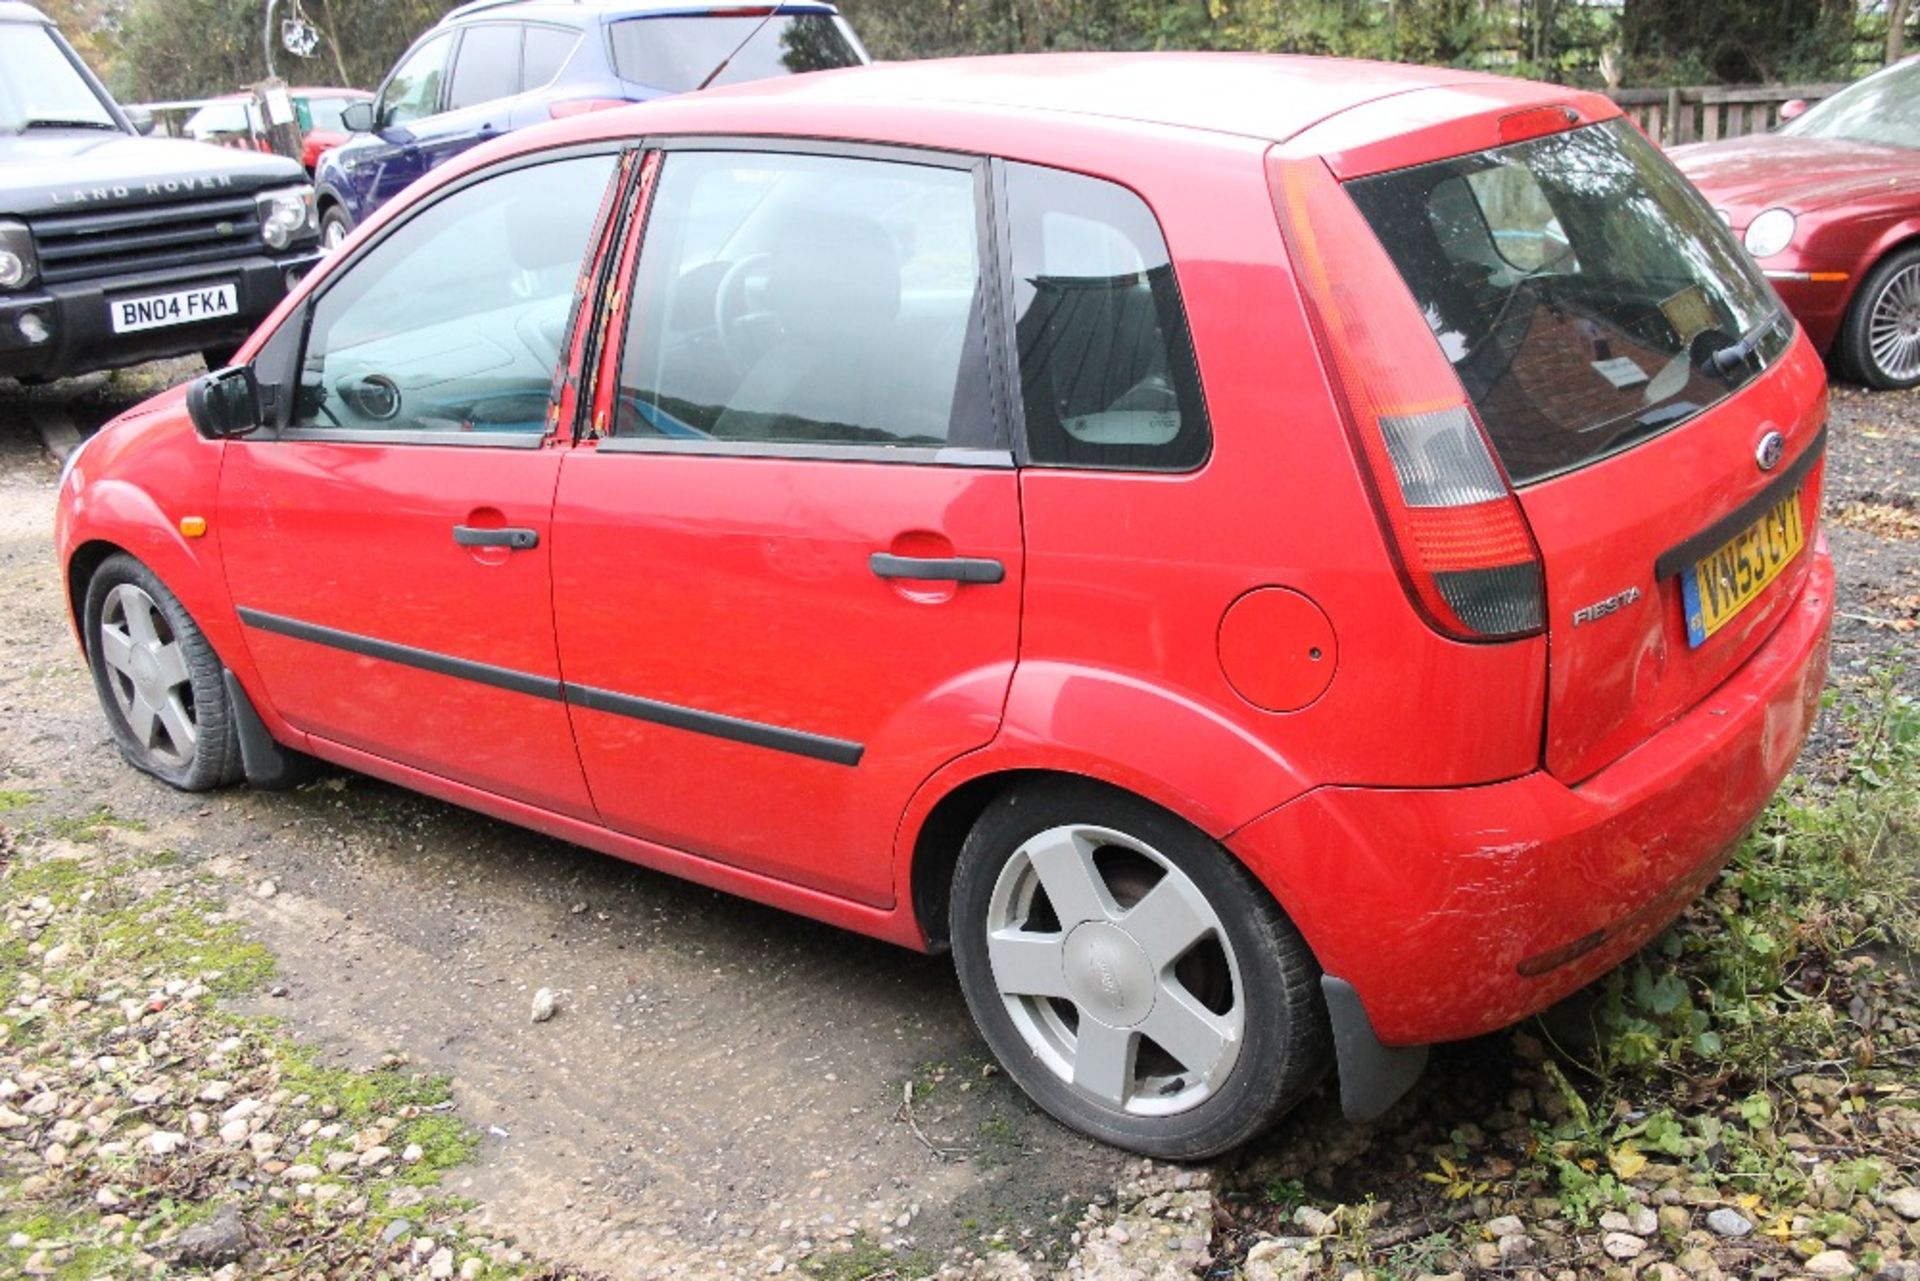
column 18, row 263
column 287, row 215
column 1769, row 233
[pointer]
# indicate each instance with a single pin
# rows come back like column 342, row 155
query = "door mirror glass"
column 357, row 117
column 225, row 403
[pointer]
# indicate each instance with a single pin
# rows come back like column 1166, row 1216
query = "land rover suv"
column 117, row 248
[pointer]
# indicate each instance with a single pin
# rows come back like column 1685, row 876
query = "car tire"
column 1204, row 997
column 334, row 227
column 159, row 681
column 1880, row 339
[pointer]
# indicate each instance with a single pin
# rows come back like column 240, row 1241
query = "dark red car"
column 1275, row 562
column 1829, row 205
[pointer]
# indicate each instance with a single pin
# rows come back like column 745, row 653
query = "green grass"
column 866, row 1261
column 14, row 799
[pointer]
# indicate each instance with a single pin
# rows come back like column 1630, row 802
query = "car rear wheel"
column 1132, row 977
column 159, row 681
column 1881, row 340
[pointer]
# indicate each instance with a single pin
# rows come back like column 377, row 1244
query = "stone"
column 1641, row 1221
column 1622, row 1246
column 1829, row 1263
column 266, row 889
column 1905, row 1202
column 413, row 1153
column 545, row 1005
column 217, row 1242
column 1486, row 1255
column 374, row 1156
column 165, row 1142
column 440, row 1267
column 215, row 1091
column 1674, row 1220
column 1729, row 1223
column 1507, row 1225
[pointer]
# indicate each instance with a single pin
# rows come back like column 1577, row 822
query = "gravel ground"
column 720, row 1092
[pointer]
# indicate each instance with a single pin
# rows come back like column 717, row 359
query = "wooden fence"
column 1703, row 113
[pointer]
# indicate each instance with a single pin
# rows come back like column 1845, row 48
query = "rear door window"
column 680, row 53
column 488, row 67
column 1107, row 372
column 806, row 300
column 1579, row 287
column 546, row 52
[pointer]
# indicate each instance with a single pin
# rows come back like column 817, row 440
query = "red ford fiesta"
column 1274, row 562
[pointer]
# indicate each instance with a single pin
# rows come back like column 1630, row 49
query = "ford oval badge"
column 1768, row 452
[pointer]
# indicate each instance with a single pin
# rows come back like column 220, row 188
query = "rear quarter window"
column 1107, row 372
column 679, row 53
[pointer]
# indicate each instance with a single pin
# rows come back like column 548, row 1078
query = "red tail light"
column 1464, row 550
column 581, row 106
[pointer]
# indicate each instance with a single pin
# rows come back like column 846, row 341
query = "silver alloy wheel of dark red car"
column 1130, row 975
column 1881, row 337
column 159, row 681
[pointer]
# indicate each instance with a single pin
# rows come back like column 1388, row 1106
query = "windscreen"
column 40, row 88
column 1883, row 109
column 679, row 53
column 1586, row 296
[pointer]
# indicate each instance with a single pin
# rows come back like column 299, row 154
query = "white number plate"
column 131, row 315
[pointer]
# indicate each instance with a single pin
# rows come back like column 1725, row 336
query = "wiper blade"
column 69, row 124
column 1730, row 357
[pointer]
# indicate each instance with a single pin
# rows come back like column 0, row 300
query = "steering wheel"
column 732, row 309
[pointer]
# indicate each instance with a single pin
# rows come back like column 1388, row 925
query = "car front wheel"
column 1881, row 338
column 159, row 680
column 1132, row 977
column 334, row 226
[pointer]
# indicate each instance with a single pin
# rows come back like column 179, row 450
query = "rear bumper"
column 82, row 336
column 1458, row 911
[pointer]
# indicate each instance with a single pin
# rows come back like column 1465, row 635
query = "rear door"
column 1641, row 387
column 787, row 573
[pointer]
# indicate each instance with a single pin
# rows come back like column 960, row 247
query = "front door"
column 787, row 576
column 389, row 550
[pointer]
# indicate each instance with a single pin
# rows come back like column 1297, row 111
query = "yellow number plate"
column 1721, row 584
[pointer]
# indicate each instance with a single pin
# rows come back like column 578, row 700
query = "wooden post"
column 1671, row 134
column 275, row 105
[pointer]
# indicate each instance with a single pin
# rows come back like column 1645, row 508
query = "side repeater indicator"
column 193, row 526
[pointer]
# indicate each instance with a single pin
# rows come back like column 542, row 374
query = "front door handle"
column 518, row 540
column 944, row 569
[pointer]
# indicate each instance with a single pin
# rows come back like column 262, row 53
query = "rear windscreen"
column 1586, row 295
column 680, row 53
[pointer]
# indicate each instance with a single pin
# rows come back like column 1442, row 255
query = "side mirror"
column 141, row 119
column 1793, row 107
column 358, row 117
column 225, row 403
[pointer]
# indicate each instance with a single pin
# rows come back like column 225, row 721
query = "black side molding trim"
column 757, row 733
column 838, row 751
column 406, row 655
column 1680, row 555
column 1372, row 1076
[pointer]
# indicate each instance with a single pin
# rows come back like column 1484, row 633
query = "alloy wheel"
column 1893, row 327
column 1115, row 970
column 148, row 675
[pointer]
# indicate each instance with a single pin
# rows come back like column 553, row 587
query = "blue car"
column 497, row 65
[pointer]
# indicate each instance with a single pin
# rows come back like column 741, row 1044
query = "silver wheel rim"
column 147, row 672
column 1893, row 327
column 1116, row 971
column 331, row 235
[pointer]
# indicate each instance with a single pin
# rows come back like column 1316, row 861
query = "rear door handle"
column 517, row 539
column 945, row 569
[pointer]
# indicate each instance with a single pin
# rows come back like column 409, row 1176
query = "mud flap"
column 266, row 764
column 1372, row 1076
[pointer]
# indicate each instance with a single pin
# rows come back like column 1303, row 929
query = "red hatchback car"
column 1829, row 205
column 1274, row 562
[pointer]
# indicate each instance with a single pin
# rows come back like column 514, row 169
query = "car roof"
column 577, row 13
column 1269, row 96
column 13, row 11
